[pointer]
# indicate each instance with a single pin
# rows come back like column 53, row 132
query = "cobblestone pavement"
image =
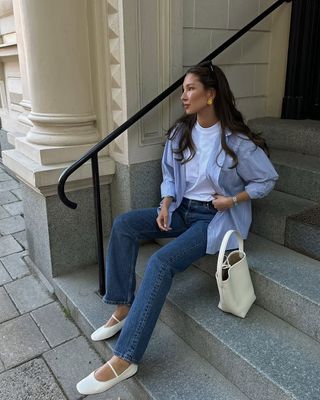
column 42, row 353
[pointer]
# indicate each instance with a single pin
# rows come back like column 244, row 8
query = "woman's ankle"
column 115, row 360
column 122, row 310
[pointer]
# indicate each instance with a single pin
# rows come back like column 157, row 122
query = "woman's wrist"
column 166, row 201
column 234, row 200
column 239, row 197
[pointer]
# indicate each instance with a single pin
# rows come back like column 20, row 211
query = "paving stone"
column 30, row 381
column 17, row 192
column 9, row 245
column 7, row 309
column 15, row 208
column 11, row 225
column 71, row 362
column 28, row 294
column 9, row 185
column 21, row 340
column 21, row 238
column 54, row 325
column 7, row 197
column 4, row 177
column 15, row 265
column 3, row 213
column 4, row 276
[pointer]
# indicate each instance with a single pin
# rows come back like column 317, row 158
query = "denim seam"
column 182, row 253
column 139, row 328
column 132, row 273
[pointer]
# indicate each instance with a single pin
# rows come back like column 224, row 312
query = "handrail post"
column 98, row 215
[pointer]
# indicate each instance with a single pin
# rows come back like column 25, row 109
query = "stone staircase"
column 292, row 210
column 199, row 352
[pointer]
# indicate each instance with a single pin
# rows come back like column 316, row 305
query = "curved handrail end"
column 63, row 196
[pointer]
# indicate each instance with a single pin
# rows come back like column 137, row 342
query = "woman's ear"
column 211, row 94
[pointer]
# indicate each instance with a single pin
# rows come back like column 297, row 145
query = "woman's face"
column 194, row 96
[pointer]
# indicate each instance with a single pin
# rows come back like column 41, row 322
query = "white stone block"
column 265, row 24
column 196, row 45
column 7, row 24
column 211, row 14
column 46, row 155
column 260, row 80
column 255, row 47
column 241, row 80
column 46, row 176
column 188, row 13
column 252, row 107
column 6, row 7
column 231, row 55
column 241, row 12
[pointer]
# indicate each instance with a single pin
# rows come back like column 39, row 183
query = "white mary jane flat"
column 105, row 332
column 90, row 385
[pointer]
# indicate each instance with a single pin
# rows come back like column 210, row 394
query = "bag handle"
column 223, row 249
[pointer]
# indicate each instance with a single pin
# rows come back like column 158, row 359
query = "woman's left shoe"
column 90, row 385
column 105, row 332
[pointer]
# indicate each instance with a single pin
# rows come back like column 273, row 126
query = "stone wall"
column 254, row 62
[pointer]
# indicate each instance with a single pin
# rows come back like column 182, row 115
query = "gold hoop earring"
column 209, row 102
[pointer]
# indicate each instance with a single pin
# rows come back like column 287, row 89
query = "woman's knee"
column 121, row 225
column 122, row 220
column 134, row 221
column 161, row 264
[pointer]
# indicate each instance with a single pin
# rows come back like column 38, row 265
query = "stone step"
column 265, row 357
column 303, row 233
column 270, row 214
column 170, row 369
column 286, row 283
column 300, row 136
column 299, row 174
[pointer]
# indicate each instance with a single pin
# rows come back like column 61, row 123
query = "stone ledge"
column 44, row 178
column 47, row 155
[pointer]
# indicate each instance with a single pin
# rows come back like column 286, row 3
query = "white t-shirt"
column 207, row 141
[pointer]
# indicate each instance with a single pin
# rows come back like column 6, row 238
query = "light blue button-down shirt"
column 254, row 174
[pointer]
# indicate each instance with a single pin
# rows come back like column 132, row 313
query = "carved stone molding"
column 143, row 59
column 116, row 71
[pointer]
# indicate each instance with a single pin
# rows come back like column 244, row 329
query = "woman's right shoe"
column 90, row 385
column 105, row 332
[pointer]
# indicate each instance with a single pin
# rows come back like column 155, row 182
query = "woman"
column 212, row 165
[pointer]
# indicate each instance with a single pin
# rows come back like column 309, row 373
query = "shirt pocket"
column 230, row 179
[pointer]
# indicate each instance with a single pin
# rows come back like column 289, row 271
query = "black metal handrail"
column 93, row 152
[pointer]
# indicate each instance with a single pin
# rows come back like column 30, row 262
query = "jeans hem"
column 106, row 301
column 124, row 357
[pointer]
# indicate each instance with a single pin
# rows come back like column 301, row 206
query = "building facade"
column 73, row 71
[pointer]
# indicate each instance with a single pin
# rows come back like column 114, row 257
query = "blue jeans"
column 189, row 226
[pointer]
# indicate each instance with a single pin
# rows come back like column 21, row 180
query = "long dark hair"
column 230, row 118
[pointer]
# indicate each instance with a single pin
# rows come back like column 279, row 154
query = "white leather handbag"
column 233, row 279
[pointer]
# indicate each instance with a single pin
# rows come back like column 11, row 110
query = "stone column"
column 59, row 63
column 25, row 103
column 64, row 72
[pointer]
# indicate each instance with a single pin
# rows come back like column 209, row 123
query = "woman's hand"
column 163, row 218
column 222, row 203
